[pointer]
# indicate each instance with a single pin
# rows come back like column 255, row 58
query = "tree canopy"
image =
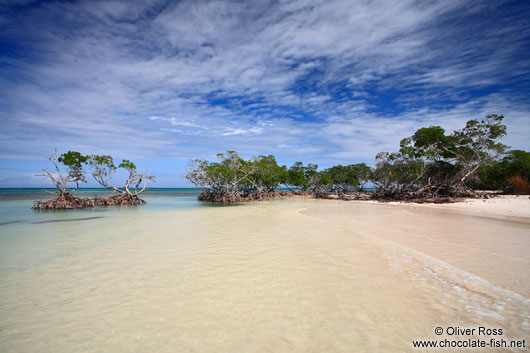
column 429, row 163
column 71, row 168
column 432, row 162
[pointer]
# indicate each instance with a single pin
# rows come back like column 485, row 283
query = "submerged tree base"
column 66, row 201
column 441, row 194
column 343, row 195
column 231, row 198
column 419, row 196
column 69, row 201
column 120, row 200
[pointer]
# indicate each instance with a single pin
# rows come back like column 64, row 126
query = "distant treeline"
column 234, row 179
column 428, row 165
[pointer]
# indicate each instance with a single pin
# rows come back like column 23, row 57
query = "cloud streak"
column 326, row 81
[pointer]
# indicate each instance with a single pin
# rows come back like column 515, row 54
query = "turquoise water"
column 24, row 230
column 16, row 203
column 41, row 194
column 26, row 234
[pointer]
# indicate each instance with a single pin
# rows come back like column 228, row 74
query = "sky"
column 327, row 82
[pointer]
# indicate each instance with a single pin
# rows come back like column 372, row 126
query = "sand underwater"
column 290, row 275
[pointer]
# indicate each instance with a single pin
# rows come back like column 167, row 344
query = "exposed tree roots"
column 235, row 197
column 64, row 201
column 69, row 201
column 231, row 198
column 419, row 196
column 440, row 194
column 343, row 195
column 120, row 200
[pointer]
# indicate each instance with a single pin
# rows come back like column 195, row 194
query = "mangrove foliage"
column 429, row 165
column 71, row 168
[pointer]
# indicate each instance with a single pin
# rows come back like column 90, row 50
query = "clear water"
column 292, row 275
column 44, row 193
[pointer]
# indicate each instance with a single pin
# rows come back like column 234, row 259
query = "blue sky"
column 326, row 82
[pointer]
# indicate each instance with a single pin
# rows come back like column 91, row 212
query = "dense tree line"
column 234, row 179
column 71, row 168
column 429, row 164
column 511, row 173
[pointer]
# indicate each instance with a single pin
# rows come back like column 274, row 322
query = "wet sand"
column 294, row 275
column 488, row 238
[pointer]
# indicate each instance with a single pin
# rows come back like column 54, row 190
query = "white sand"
column 498, row 207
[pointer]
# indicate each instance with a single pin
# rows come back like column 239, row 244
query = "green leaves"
column 494, row 175
column 72, row 158
column 301, row 176
column 266, row 172
column 74, row 161
column 102, row 168
column 341, row 177
column 431, row 157
column 428, row 157
column 106, row 161
column 128, row 165
column 234, row 174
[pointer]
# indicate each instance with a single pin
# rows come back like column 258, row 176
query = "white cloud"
column 299, row 79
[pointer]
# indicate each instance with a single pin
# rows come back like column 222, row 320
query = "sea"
column 285, row 275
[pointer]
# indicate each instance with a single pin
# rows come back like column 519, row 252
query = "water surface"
column 293, row 275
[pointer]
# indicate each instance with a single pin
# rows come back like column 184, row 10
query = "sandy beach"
column 504, row 206
column 264, row 176
column 289, row 275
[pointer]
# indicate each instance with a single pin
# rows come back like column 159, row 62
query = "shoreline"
column 499, row 206
column 470, row 235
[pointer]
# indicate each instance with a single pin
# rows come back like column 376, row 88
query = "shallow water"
column 9, row 194
column 280, row 276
